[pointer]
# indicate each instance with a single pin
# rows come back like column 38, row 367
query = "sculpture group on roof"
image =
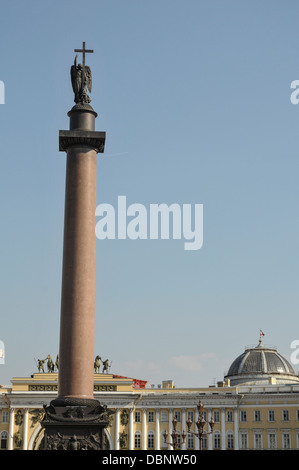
column 54, row 367
column 97, row 365
column 51, row 366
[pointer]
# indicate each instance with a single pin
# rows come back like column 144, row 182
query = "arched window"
column 3, row 438
column 190, row 441
column 217, row 442
column 150, row 440
column 204, row 442
column 137, row 440
column 230, row 440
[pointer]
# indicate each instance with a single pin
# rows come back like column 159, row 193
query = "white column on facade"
column 223, row 439
column 11, row 429
column 169, row 427
column 236, row 428
column 131, row 425
column 25, row 431
column 116, row 437
column 184, row 426
column 157, row 430
column 210, row 436
column 144, row 429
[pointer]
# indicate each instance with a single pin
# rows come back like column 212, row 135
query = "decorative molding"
column 54, row 388
column 81, row 138
column 42, row 388
column 105, row 388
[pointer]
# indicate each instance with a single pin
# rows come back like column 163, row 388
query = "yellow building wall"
column 264, row 402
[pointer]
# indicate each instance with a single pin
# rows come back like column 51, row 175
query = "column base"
column 75, row 424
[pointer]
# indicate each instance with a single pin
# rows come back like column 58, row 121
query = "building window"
column 137, row 440
column 151, row 417
column 177, row 415
column 137, row 417
column 230, row 440
column 216, row 416
column 257, row 440
column 272, row 440
column 297, row 415
column 3, row 439
column 285, row 415
column 190, row 441
column 5, row 416
column 243, row 417
column 217, row 440
column 244, row 441
column 286, row 441
column 257, row 415
column 271, row 415
column 229, row 416
column 204, row 443
column 190, row 415
column 164, row 416
column 150, row 440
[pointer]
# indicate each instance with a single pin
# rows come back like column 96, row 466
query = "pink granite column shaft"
column 76, row 353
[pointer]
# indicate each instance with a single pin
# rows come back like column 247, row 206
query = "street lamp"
column 175, row 436
column 200, row 423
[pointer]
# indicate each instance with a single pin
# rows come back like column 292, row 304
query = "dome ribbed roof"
column 260, row 361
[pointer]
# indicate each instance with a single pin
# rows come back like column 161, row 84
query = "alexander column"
column 74, row 416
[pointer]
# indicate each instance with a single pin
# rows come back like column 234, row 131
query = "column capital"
column 82, row 138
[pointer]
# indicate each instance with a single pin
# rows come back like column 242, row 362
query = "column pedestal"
column 72, row 424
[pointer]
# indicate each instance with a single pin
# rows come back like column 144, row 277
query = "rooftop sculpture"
column 81, row 78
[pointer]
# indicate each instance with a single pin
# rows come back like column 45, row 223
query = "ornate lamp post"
column 175, row 436
column 200, row 423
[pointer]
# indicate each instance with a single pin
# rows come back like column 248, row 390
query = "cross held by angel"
column 81, row 78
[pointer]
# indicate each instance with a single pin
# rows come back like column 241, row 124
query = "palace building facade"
column 256, row 406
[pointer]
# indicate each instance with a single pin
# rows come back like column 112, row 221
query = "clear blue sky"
column 195, row 99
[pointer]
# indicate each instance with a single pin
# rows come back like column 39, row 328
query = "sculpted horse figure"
column 97, row 364
column 50, row 363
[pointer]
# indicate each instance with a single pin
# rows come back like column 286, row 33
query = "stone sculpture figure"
column 40, row 365
column 81, row 79
column 50, row 364
column 97, row 364
column 105, row 366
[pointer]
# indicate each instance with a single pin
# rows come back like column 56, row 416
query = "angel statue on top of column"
column 81, row 79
